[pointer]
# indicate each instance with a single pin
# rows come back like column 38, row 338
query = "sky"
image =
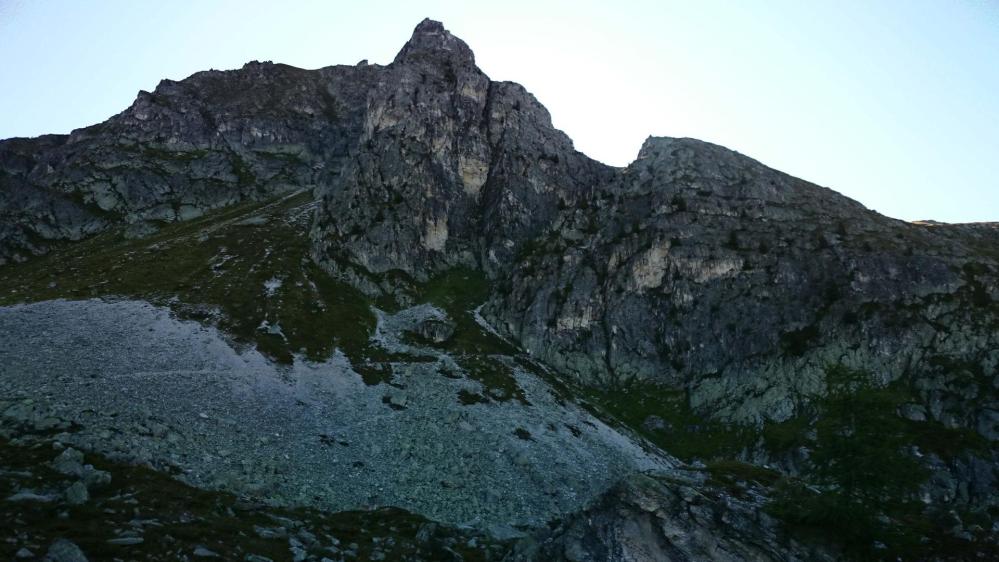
column 894, row 103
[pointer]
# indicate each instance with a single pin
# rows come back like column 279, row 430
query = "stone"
column 435, row 331
column 913, row 412
column 202, row 552
column 77, row 494
column 24, row 553
column 30, row 496
column 126, row 541
column 94, row 478
column 69, row 462
column 63, row 550
column 398, row 398
column 270, row 532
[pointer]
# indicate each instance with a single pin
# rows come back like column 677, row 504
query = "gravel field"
column 127, row 379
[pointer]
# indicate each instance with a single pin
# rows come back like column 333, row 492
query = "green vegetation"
column 684, row 433
column 458, row 292
column 797, row 342
column 862, row 478
column 247, row 270
column 858, row 488
column 187, row 517
column 244, row 268
column 730, row 474
column 861, row 441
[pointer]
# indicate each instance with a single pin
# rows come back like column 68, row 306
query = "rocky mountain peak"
column 431, row 40
column 716, row 306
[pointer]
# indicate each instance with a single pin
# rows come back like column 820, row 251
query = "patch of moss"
column 154, row 152
column 946, row 442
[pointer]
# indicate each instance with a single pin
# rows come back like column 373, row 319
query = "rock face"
column 704, row 269
column 211, row 140
column 645, row 519
column 694, row 269
column 450, row 169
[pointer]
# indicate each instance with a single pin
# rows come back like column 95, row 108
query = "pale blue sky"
column 894, row 103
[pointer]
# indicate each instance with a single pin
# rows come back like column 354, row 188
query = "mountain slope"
column 724, row 311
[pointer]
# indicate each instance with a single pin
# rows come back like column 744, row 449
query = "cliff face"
column 450, row 169
column 702, row 268
column 693, row 272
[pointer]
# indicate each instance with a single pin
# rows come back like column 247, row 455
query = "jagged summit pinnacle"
column 431, row 39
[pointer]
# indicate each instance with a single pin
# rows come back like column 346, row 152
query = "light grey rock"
column 397, row 398
column 31, row 496
column 77, row 494
column 23, row 554
column 94, row 478
column 69, row 462
column 126, row 541
column 63, row 550
column 913, row 412
column 202, row 552
column 298, row 554
column 270, row 532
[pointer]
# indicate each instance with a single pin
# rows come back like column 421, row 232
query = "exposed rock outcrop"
column 649, row 519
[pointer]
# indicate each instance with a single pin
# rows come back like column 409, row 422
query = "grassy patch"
column 864, row 478
column 458, row 292
column 470, row 398
column 185, row 517
column 684, row 434
column 730, row 473
column 787, row 435
column 254, row 280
